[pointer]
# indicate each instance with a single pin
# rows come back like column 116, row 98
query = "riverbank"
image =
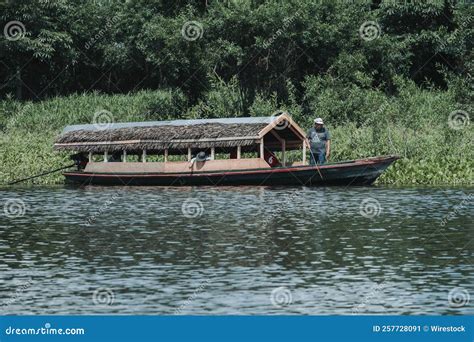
column 433, row 151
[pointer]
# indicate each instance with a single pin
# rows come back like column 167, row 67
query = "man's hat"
column 319, row 121
column 201, row 156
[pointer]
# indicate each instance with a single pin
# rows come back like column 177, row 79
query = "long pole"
column 41, row 174
column 316, row 163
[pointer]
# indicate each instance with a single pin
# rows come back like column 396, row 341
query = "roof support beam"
column 291, row 125
column 304, row 152
column 276, row 135
column 106, row 157
column 262, row 147
column 239, row 152
column 144, row 156
column 283, row 146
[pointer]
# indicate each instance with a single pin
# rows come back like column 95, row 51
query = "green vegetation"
column 403, row 87
column 431, row 151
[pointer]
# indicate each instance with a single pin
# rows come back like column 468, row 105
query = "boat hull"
column 355, row 172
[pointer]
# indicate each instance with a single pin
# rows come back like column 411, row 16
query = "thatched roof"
column 174, row 135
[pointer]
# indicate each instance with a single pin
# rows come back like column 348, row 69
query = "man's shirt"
column 318, row 139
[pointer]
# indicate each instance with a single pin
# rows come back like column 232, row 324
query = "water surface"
column 236, row 250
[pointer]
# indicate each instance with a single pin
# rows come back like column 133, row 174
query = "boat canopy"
column 276, row 132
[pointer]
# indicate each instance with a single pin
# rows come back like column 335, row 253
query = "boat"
column 227, row 151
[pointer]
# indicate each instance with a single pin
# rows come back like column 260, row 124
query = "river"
column 236, row 250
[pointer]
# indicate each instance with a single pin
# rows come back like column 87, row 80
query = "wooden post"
column 261, row 149
column 283, row 150
column 304, row 152
column 90, row 157
column 189, row 153
column 144, row 156
column 283, row 146
column 166, row 154
column 106, row 157
column 239, row 152
column 124, row 159
column 213, row 153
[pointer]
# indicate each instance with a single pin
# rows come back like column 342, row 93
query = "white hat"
column 319, row 121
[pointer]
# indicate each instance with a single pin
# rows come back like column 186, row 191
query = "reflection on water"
column 242, row 250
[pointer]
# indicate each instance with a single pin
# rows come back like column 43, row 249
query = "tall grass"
column 363, row 122
column 427, row 157
column 28, row 130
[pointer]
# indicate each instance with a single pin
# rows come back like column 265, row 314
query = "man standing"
column 319, row 142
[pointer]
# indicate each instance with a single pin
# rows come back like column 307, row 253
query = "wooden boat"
column 238, row 151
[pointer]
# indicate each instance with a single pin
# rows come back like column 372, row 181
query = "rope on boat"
column 41, row 174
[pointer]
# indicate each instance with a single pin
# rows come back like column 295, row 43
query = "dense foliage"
column 269, row 46
column 389, row 89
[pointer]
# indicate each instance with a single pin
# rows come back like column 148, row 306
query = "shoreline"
column 432, row 151
column 49, row 183
column 374, row 186
column 404, row 172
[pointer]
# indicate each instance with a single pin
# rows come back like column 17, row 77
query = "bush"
column 413, row 124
